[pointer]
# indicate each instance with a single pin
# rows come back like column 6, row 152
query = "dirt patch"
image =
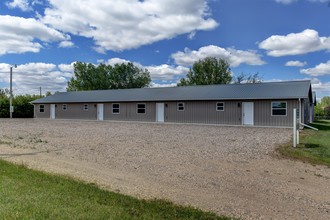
column 228, row 170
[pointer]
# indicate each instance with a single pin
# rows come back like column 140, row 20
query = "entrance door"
column 247, row 113
column 52, row 111
column 160, row 112
column 100, row 112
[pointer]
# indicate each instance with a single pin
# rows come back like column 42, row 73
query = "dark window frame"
column 115, row 108
column 278, row 108
column 217, row 107
column 141, row 110
column 41, row 108
column 180, row 106
column 64, row 107
column 86, row 105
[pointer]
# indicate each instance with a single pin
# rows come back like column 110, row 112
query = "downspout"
column 300, row 110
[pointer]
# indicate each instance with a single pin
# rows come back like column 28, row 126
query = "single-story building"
column 260, row 104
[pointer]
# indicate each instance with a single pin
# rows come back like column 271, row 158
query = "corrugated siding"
column 76, row 111
column 204, row 112
column 263, row 117
column 128, row 112
column 45, row 114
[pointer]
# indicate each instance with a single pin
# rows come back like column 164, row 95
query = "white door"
column 248, row 113
column 160, row 112
column 52, row 111
column 100, row 112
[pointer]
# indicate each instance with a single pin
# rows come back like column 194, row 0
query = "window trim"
column 66, row 107
column 286, row 108
column 223, row 107
column 84, row 107
column 137, row 108
column 183, row 106
column 43, row 108
column 116, row 113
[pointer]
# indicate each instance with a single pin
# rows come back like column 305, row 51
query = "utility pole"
column 40, row 91
column 11, row 109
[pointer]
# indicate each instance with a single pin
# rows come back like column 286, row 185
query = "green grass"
column 314, row 146
column 29, row 194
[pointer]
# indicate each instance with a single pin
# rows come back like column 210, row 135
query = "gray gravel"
column 228, row 170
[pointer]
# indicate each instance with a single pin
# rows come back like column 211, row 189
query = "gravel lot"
column 232, row 171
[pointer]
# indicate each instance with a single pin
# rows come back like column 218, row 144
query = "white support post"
column 294, row 127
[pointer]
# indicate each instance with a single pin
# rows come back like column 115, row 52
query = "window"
column 220, row 106
column 180, row 106
column 41, row 108
column 115, row 108
column 141, row 108
column 64, row 107
column 279, row 108
column 85, row 107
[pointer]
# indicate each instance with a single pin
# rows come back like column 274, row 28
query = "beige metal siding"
column 128, row 112
column 45, row 114
column 76, row 111
column 263, row 113
column 204, row 112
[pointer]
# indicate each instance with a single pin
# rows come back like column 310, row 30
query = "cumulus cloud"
column 157, row 72
column 296, row 63
column 66, row 44
column 167, row 72
column 318, row 70
column 120, row 25
column 295, row 43
column 21, row 4
column 20, row 35
column 233, row 56
column 27, row 78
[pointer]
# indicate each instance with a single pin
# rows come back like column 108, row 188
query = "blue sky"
column 279, row 39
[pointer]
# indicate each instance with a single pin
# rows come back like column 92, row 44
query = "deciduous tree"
column 208, row 71
column 119, row 76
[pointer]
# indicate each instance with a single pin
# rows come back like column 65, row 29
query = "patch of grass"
column 28, row 194
column 314, row 146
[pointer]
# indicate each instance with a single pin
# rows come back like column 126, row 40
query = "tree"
column 208, row 71
column 119, row 76
column 250, row 78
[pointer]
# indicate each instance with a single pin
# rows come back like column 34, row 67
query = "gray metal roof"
column 270, row 90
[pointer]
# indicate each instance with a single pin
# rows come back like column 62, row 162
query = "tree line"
column 88, row 76
column 322, row 108
column 206, row 71
column 21, row 103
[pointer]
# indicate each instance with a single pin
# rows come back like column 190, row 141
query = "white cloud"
column 318, row 70
column 21, row 4
column 117, row 60
column 296, row 63
column 20, row 35
column 295, row 43
column 66, row 44
column 119, row 25
column 167, row 72
column 160, row 72
column 286, row 2
column 234, row 57
column 154, row 85
column 27, row 78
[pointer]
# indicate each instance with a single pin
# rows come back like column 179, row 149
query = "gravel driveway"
column 232, row 171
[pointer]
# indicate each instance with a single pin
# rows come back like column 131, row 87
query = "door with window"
column 248, row 113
